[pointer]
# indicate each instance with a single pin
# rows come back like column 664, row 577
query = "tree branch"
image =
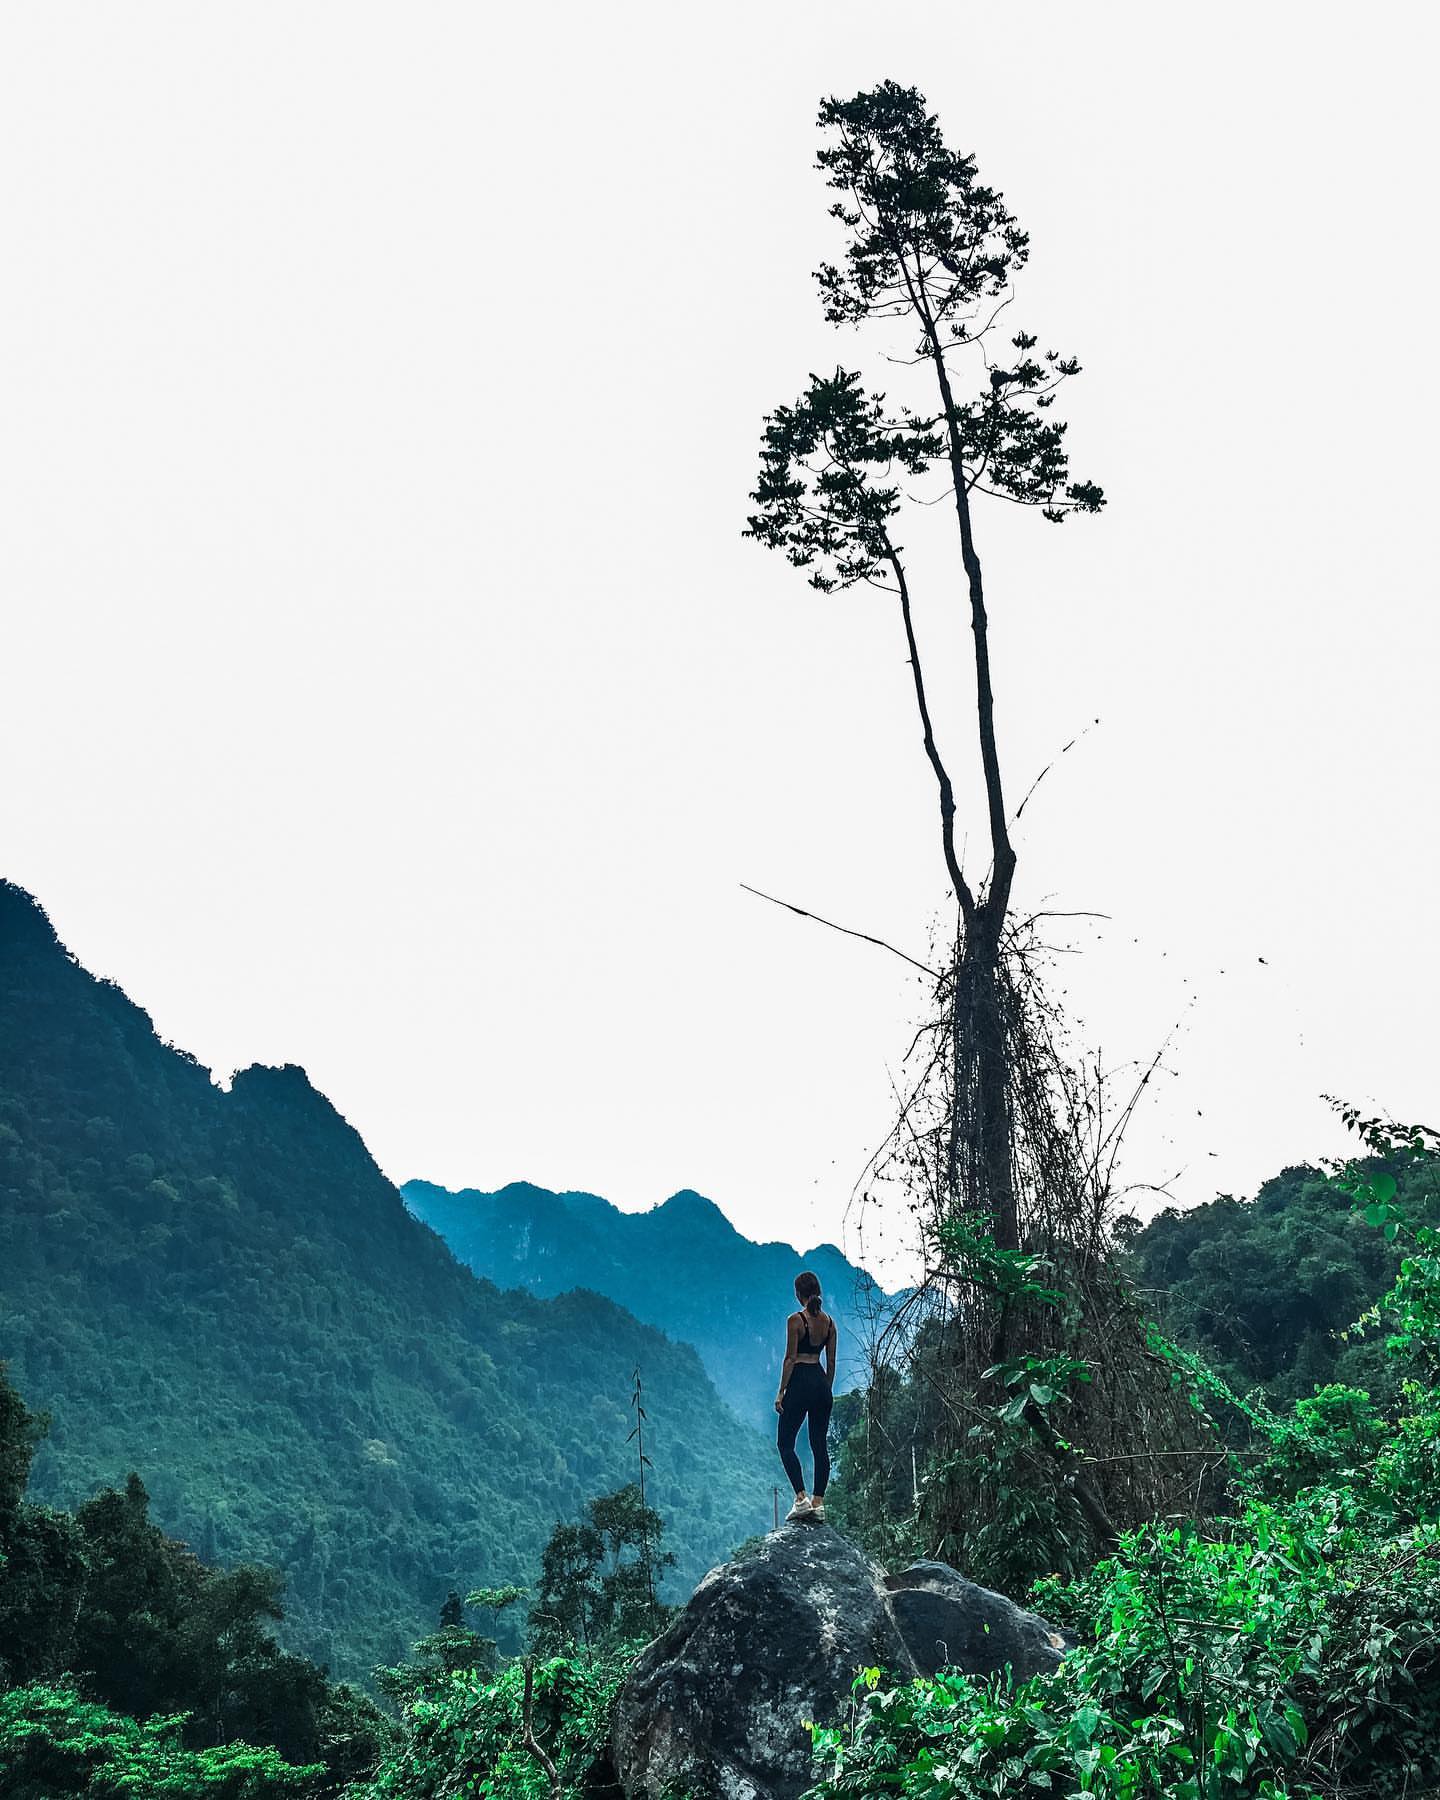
column 1001, row 850
column 942, row 776
column 845, row 930
column 532, row 1743
column 1048, row 767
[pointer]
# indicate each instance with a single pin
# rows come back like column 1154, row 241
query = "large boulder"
column 716, row 1707
column 949, row 1622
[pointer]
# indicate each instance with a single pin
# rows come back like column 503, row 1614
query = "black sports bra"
column 806, row 1342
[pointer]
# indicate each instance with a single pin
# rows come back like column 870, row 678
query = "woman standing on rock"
column 807, row 1392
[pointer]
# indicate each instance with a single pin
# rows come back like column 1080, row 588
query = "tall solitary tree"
column 932, row 251
column 1007, row 1151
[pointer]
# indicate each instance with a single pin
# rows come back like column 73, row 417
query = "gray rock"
column 947, row 1621
column 715, row 1709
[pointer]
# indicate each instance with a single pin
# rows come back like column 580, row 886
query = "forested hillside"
column 682, row 1266
column 1266, row 1289
column 222, row 1292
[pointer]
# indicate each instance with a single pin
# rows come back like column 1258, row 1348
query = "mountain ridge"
column 730, row 1302
column 219, row 1289
column 523, row 1188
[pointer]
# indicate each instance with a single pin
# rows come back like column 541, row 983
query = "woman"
column 806, row 1392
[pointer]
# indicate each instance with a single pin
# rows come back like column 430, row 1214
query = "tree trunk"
column 978, row 976
column 981, row 1144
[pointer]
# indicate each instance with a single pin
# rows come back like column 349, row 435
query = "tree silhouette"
column 932, row 249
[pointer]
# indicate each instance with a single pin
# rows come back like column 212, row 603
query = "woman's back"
column 815, row 1330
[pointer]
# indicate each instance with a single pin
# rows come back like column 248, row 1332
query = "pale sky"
column 387, row 688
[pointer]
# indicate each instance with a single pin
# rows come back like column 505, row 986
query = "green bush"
column 466, row 1737
column 56, row 1745
column 1298, row 1654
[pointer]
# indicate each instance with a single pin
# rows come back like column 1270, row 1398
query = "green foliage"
column 21, row 1433
column 991, row 1487
column 1300, row 1652
column 1291, row 1648
column 1009, row 1276
column 453, row 1649
column 594, row 1586
column 1265, row 1290
column 1393, row 1190
column 466, row 1738
column 57, row 1745
column 929, row 244
column 884, row 1436
column 149, row 1633
column 43, row 1565
column 222, row 1291
column 1014, row 1516
column 43, row 1572
column 495, row 1599
column 1334, row 1435
column 1023, row 1523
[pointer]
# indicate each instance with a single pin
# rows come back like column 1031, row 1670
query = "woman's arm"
column 830, row 1354
column 792, row 1340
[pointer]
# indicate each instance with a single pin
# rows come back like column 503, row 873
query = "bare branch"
column 1045, row 771
column 864, row 936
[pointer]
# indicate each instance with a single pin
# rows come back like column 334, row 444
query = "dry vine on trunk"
column 1030, row 1366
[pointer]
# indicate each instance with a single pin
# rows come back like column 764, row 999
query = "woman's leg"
column 820, row 1405
column 791, row 1413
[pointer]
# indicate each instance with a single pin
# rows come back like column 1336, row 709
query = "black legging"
column 806, row 1395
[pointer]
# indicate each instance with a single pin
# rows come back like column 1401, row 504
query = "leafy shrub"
column 1298, row 1654
column 466, row 1737
column 56, row 1745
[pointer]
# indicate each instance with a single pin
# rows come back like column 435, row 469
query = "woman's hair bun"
column 807, row 1288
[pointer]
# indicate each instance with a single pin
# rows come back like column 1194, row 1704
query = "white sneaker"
column 817, row 1509
column 802, row 1509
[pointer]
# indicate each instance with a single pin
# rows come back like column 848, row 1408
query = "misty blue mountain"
column 682, row 1267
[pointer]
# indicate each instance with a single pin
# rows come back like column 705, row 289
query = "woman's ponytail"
column 807, row 1291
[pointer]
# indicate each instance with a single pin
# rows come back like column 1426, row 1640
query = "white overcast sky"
column 386, row 686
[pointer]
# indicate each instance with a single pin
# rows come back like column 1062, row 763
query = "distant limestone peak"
column 694, row 1211
column 681, row 1266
